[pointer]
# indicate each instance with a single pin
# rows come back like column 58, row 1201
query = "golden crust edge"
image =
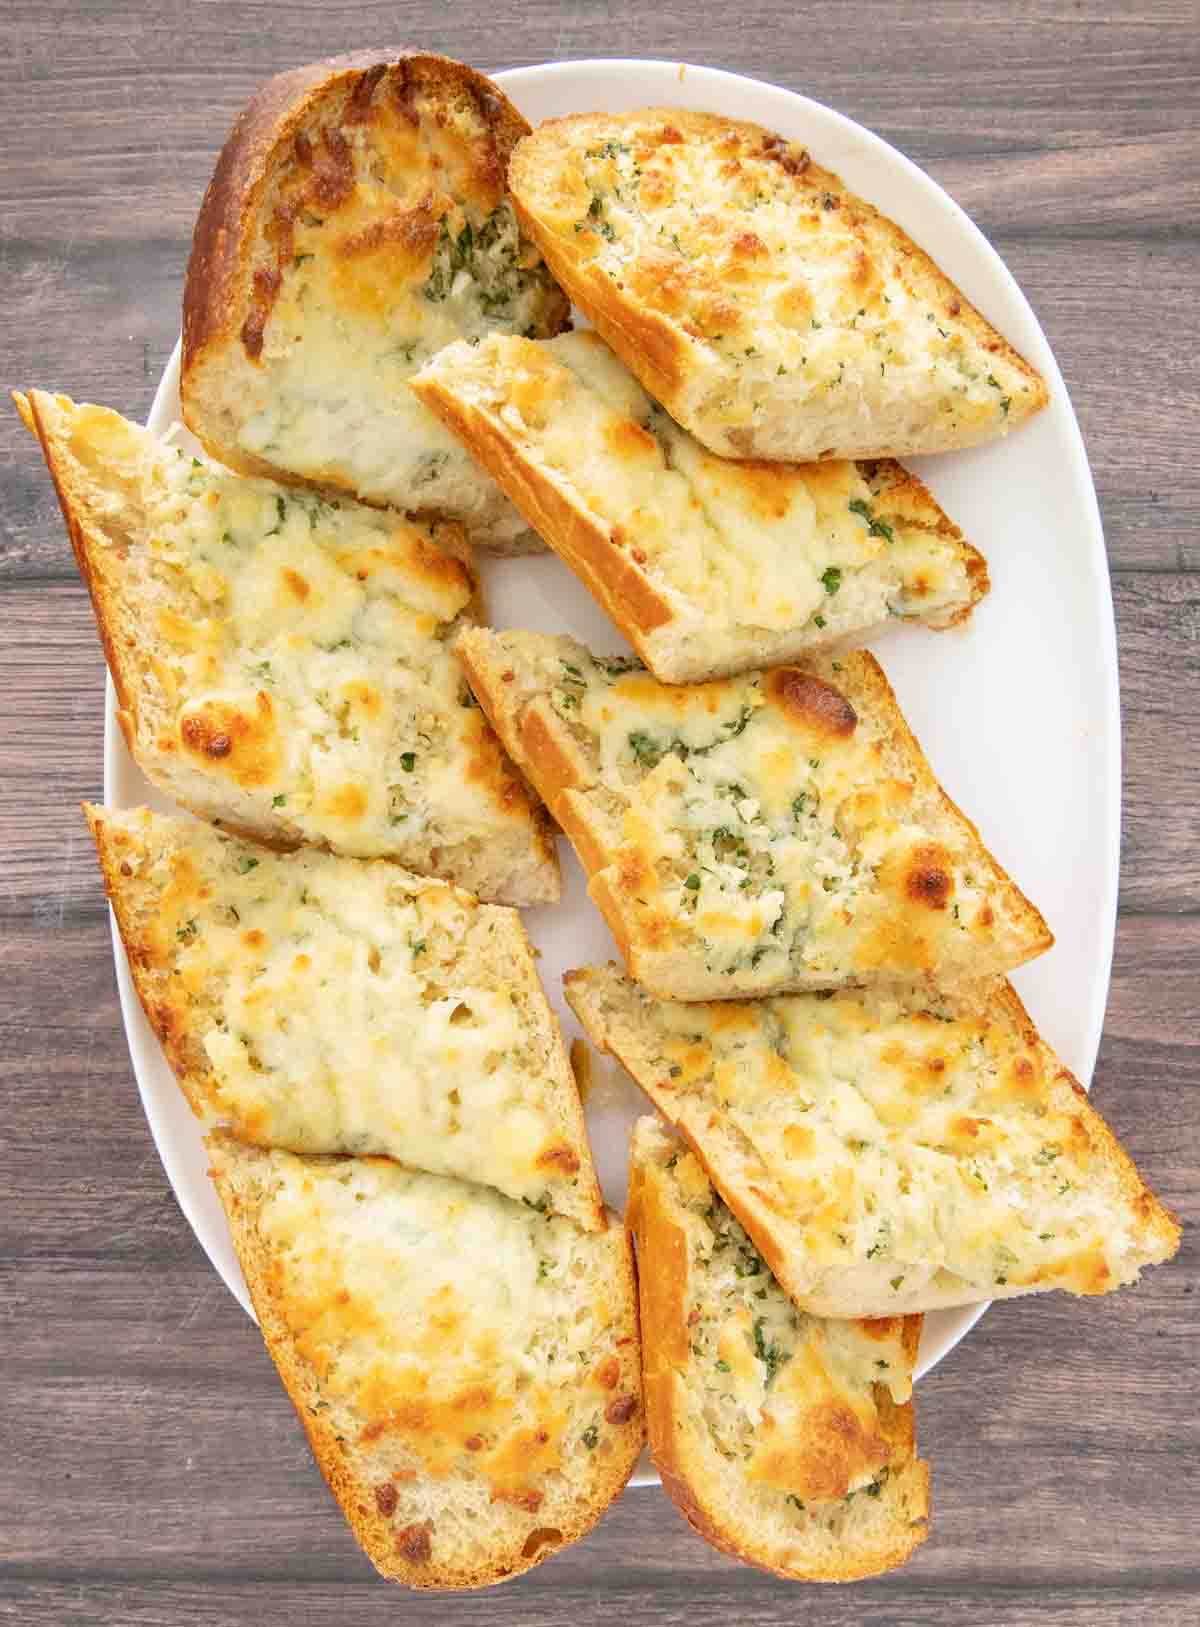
column 42, row 416
column 623, row 589
column 591, row 1201
column 147, row 972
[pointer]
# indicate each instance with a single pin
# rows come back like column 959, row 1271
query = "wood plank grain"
column 151, row 1471
column 53, row 674
column 126, row 299
column 131, row 1375
column 749, row 1600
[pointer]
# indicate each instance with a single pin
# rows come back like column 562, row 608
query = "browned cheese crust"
column 222, row 278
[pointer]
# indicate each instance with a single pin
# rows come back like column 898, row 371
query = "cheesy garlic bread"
column 770, row 310
column 282, row 659
column 785, row 1439
column 890, row 1152
column 334, row 1005
column 708, row 566
column 356, row 222
column 778, row 830
column 467, row 1370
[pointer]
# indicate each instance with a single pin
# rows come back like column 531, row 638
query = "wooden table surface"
column 151, row 1470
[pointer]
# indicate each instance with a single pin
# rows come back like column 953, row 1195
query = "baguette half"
column 770, row 310
column 356, row 222
column 707, row 566
column 281, row 660
column 890, row 1153
column 778, row 830
column 786, row 1440
column 332, row 1005
column 466, row 1370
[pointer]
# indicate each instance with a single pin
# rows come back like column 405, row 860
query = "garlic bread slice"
column 467, row 1370
column 785, row 1439
column 282, row 660
column 334, row 1005
column 770, row 310
column 357, row 220
column 890, row 1152
column 777, row 830
column 708, row 566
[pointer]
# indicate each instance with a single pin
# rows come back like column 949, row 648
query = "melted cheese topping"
column 737, row 548
column 894, row 1138
column 445, row 1318
column 775, row 273
column 415, row 246
column 344, row 1007
column 790, row 1396
column 306, row 666
column 759, row 832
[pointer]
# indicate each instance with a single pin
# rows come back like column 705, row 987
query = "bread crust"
column 372, row 1529
column 32, row 409
column 664, row 1272
column 656, row 345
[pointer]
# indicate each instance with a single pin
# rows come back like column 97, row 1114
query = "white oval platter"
column 1018, row 712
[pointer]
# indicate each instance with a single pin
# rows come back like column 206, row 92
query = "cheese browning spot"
column 348, row 802
column 812, row 702
column 415, row 1543
column 929, row 880
column 242, row 743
